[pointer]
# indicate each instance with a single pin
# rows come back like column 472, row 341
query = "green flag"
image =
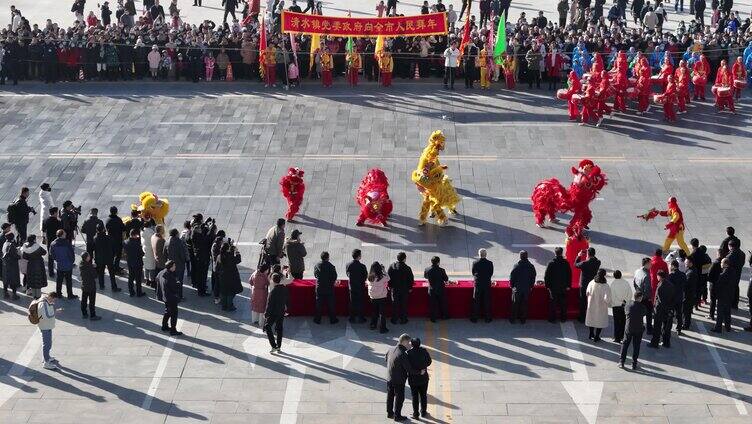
column 501, row 40
column 349, row 46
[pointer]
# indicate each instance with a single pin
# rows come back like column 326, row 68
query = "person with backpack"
column 18, row 213
column 42, row 314
column 88, row 287
column 61, row 252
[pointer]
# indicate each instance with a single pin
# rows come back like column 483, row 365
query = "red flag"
column 465, row 34
column 262, row 49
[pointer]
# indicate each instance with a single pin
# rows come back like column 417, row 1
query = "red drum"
column 740, row 84
column 563, row 94
column 656, row 79
column 631, row 92
column 659, row 99
column 632, row 81
column 699, row 80
column 721, row 91
column 577, row 97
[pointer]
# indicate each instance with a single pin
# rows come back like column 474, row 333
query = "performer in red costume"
column 293, row 188
column 575, row 87
column 739, row 74
column 723, row 89
column 621, row 83
column 681, row 77
column 700, row 72
column 590, row 105
column 550, row 197
column 373, row 198
column 675, row 226
column 666, row 69
column 575, row 243
column 668, row 99
column 643, row 87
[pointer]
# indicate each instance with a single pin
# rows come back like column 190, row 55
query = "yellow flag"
column 315, row 43
column 379, row 45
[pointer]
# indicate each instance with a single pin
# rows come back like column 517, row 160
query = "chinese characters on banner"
column 431, row 24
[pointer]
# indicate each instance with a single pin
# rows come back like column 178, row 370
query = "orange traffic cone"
column 417, row 72
column 229, row 72
column 81, row 74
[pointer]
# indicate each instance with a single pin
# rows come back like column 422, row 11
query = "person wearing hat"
column 419, row 359
column 170, row 290
column 295, row 251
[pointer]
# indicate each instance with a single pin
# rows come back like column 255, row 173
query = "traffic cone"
column 81, row 74
column 228, row 77
column 417, row 72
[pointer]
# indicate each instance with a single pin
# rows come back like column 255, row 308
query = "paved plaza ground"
column 220, row 149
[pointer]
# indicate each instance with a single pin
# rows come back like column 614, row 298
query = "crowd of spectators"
column 156, row 43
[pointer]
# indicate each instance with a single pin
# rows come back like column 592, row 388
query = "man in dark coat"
column 398, row 369
column 202, row 236
column 89, row 229
column 295, row 250
column 730, row 235
column 713, row 274
column 700, row 6
column 701, row 264
column 230, row 6
column 275, row 313
column 558, row 281
column 357, row 274
column 10, row 270
column 437, row 279
column 482, row 271
column 419, row 359
column 62, row 253
column 50, row 226
column 229, row 277
column 18, row 213
column 736, row 258
column 326, row 277
column 69, row 217
column 679, row 280
column 88, row 287
column 116, row 231
column 690, row 293
column 521, row 280
column 177, row 251
column 103, row 257
column 634, row 329
column 134, row 254
column 401, row 281
column 663, row 314
column 171, row 297
column 724, row 292
column 588, row 268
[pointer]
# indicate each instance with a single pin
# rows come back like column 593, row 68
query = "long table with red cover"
column 459, row 300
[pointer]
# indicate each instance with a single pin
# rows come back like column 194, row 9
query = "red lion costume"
column 373, row 198
column 550, row 197
column 293, row 187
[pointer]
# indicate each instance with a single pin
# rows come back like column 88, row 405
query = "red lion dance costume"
column 373, row 198
column 675, row 226
column 293, row 187
column 550, row 197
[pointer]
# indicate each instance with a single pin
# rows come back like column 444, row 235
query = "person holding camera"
column 229, row 276
column 69, row 217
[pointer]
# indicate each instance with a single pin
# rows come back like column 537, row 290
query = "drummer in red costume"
column 620, row 86
column 700, row 72
column 666, row 69
column 603, row 92
column 668, row 99
column 682, row 86
column 723, row 88
column 590, row 106
column 568, row 94
column 739, row 75
column 643, row 87
column 675, row 226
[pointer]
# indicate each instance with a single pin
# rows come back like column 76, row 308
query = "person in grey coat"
column 521, row 280
column 176, row 251
column 11, row 271
column 295, row 250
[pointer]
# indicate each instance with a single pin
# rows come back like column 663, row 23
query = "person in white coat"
column 45, row 203
column 621, row 297
column 150, row 263
column 599, row 300
column 46, row 314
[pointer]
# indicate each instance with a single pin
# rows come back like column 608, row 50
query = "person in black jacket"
column 700, row 6
column 437, row 279
column 357, row 274
column 102, row 247
column 275, row 313
column 419, row 359
column 679, row 280
column 558, row 281
column 713, row 274
column 521, row 280
column 89, row 229
column 49, row 230
column 171, row 296
column 736, row 258
column 700, row 260
column 690, row 293
column 634, row 329
column 588, row 268
column 326, row 277
column 482, row 271
column 230, row 6
column 203, row 234
column 749, row 298
column 115, row 229
column 401, row 280
column 229, row 277
column 663, row 315
column 18, row 213
column 134, row 254
column 88, row 287
column 724, row 291
column 398, row 369
column 69, row 217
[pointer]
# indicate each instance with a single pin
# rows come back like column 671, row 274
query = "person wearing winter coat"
column 61, row 251
column 621, row 297
column 89, row 229
column 116, row 230
column 46, row 314
column 295, row 251
column 50, row 227
column 665, row 301
column 419, row 359
column 168, row 286
column 378, row 290
column 216, row 249
column 599, row 300
column 401, row 281
column 176, row 250
column 45, row 202
column 633, row 330
column 150, row 263
column 357, row 273
column 521, row 280
column 11, row 271
column 157, row 246
column 259, row 283
column 679, row 280
column 103, row 258
column 326, row 277
column 134, row 254
column 36, row 277
column 690, row 292
column 88, row 287
column 558, row 281
column 229, row 277
column 275, row 313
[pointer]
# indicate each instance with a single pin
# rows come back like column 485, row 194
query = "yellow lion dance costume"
column 436, row 188
column 152, row 206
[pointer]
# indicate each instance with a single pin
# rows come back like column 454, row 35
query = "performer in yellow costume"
column 152, row 206
column 436, row 188
column 481, row 62
column 675, row 226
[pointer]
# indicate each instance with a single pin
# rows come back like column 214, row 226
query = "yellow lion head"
column 437, row 140
column 152, row 207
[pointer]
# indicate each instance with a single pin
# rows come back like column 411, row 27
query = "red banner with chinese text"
column 431, row 24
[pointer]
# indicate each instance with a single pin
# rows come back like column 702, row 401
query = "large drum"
column 659, row 98
column 656, row 80
column 577, row 97
column 632, row 92
column 699, row 80
column 632, row 82
column 740, row 84
column 721, row 91
column 563, row 94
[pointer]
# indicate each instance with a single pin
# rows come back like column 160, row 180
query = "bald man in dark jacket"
column 398, row 368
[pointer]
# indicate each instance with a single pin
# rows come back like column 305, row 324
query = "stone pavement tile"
column 260, row 407
column 198, row 389
column 636, row 420
column 140, row 416
column 15, row 417
column 694, row 411
column 536, row 409
column 509, row 420
column 244, row 418
column 470, row 408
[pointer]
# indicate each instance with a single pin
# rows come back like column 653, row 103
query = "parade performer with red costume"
column 667, row 69
column 681, row 77
column 293, row 188
column 700, row 72
column 603, row 92
column 550, row 197
column 739, row 74
column 373, row 198
column 620, row 86
column 568, row 94
column 668, row 99
column 643, row 87
column 590, row 106
column 675, row 226
column 723, row 89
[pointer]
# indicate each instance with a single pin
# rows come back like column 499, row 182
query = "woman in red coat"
column 554, row 61
column 682, row 86
column 668, row 98
column 575, row 87
column 723, row 88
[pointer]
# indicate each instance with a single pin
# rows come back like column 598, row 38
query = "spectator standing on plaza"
column 275, row 241
column 88, row 276
column 61, row 252
column 398, row 369
column 588, row 267
column 657, row 264
column 634, row 330
column 295, row 251
column 401, row 281
column 641, row 283
column 275, row 313
column 202, row 236
column 171, row 297
column 89, row 229
column 419, row 359
column 69, row 217
column 690, row 294
column 259, row 282
column 18, row 213
column 482, row 271
column 558, row 281
column 437, row 280
column 230, row 7
column 134, row 255
column 326, row 278
column 730, row 235
column 10, row 269
column 679, row 281
column 175, row 250
column 713, row 274
column 621, row 297
column 45, row 316
column 736, row 258
column 378, row 290
column 116, row 230
column 357, row 273
column 229, row 276
column 521, row 280
column 103, row 258
column 451, row 61
column 150, row 263
column 563, row 8
column 50, row 227
column 157, row 246
column 749, row 298
column 724, row 292
column 665, row 301
column 45, row 203
column 599, row 300
column 35, row 276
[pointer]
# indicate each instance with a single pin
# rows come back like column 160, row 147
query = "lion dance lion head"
column 152, row 207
